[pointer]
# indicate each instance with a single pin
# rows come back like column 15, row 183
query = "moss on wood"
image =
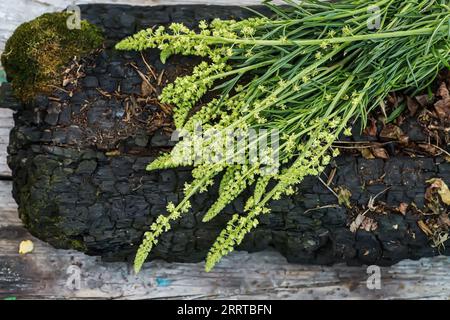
column 36, row 52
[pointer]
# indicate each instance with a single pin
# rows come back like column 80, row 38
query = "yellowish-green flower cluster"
column 233, row 235
column 178, row 39
column 314, row 157
column 203, row 178
column 260, row 189
column 304, row 73
column 187, row 90
column 206, row 115
column 162, row 224
column 235, row 180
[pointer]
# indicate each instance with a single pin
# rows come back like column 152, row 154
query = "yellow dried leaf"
column 442, row 189
column 26, row 246
column 113, row 153
column 423, row 226
column 367, row 154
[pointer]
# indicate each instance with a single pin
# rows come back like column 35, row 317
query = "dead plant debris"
column 344, row 196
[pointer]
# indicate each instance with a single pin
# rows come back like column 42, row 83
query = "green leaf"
column 395, row 113
column 165, row 54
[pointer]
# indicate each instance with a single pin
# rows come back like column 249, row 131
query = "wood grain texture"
column 264, row 275
column 6, row 123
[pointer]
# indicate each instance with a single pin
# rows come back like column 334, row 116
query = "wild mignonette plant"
column 309, row 72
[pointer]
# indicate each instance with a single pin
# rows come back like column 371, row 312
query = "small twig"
column 104, row 93
column 160, row 78
column 354, row 142
column 323, row 207
column 143, row 76
column 371, row 203
column 328, row 187
column 440, row 149
column 148, row 66
column 139, row 186
column 59, row 88
column 331, row 177
column 367, row 145
column 433, row 127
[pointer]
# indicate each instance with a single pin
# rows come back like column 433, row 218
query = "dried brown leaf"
column 343, row 196
column 402, row 208
column 393, row 100
column 369, row 224
column 364, row 223
column 442, row 189
column 367, row 154
column 412, row 105
column 443, row 91
column 429, row 194
column 428, row 148
column 442, row 108
column 423, row 100
column 372, row 129
column 146, row 89
column 391, row 132
column 380, row 153
column 423, row 226
column 444, row 219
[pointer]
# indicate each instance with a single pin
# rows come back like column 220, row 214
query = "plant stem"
column 309, row 42
column 241, row 70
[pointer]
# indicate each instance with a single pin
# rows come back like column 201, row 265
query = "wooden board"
column 45, row 272
column 6, row 123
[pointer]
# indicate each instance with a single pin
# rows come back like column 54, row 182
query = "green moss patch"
column 36, row 52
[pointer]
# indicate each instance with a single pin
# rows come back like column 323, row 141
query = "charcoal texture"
column 73, row 194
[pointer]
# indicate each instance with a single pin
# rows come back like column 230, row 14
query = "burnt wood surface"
column 75, row 194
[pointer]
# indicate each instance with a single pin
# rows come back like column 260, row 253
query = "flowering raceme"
column 306, row 72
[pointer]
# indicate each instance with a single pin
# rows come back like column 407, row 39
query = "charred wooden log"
column 79, row 155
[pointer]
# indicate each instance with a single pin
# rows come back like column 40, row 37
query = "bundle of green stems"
column 309, row 72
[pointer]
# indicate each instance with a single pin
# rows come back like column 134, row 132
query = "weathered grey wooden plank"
column 6, row 123
column 264, row 275
column 43, row 274
column 8, row 207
